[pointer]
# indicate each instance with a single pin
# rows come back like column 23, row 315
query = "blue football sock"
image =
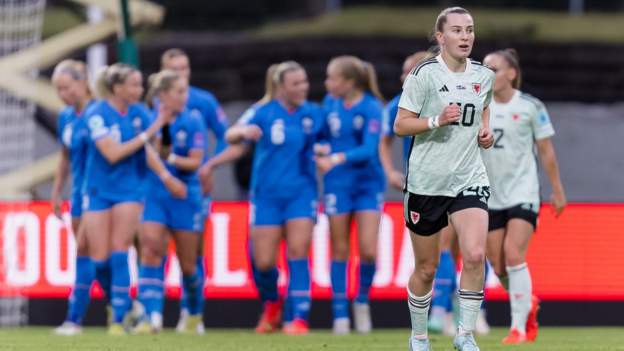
column 340, row 303
column 299, row 288
column 120, row 287
column 444, row 281
column 151, row 288
column 367, row 272
column 267, row 284
column 201, row 272
column 193, row 289
column 103, row 274
column 79, row 299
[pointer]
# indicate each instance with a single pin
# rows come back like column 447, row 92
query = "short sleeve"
column 387, row 119
column 414, row 92
column 250, row 116
column 490, row 89
column 197, row 129
column 540, row 123
column 98, row 126
column 60, row 127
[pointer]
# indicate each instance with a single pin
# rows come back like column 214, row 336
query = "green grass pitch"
column 560, row 339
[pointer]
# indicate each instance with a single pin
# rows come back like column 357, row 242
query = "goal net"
column 20, row 28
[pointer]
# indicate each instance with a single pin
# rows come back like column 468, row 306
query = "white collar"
column 468, row 65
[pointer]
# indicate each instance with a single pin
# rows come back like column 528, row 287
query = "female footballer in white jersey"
column 520, row 122
column 444, row 106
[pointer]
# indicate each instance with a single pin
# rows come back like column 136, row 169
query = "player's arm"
column 410, row 123
column 189, row 163
column 486, row 138
column 216, row 121
column 395, row 178
column 548, row 158
column 114, row 151
column 174, row 186
column 60, row 177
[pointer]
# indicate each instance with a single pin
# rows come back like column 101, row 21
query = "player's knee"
column 340, row 252
column 264, row 263
column 368, row 254
column 426, row 271
column 473, row 259
column 188, row 267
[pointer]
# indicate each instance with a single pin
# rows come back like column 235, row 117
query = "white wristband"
column 144, row 137
column 433, row 122
column 335, row 159
column 171, row 159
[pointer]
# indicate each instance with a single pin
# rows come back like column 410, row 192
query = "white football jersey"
column 446, row 160
column 511, row 162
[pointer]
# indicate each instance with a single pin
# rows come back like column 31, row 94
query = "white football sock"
column 520, row 290
column 419, row 310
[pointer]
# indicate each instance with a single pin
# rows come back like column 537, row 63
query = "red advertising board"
column 578, row 256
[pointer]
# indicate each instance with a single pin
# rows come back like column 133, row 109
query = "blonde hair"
column 160, row 82
column 77, row 70
column 282, row 68
column 170, row 54
column 112, row 75
column 269, row 85
column 361, row 72
column 511, row 57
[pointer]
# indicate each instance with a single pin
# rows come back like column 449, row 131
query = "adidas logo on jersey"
column 444, row 89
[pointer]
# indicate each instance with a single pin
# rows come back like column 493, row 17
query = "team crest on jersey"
column 195, row 113
column 415, row 217
column 476, row 87
column 181, row 136
column 136, row 122
column 358, row 122
column 306, row 123
column 334, row 124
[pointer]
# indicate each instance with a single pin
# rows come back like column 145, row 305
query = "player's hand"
column 486, row 138
column 323, row 163
column 165, row 113
column 322, row 149
column 56, row 207
column 176, row 187
column 450, row 114
column 396, row 180
column 252, row 132
column 206, row 178
column 558, row 201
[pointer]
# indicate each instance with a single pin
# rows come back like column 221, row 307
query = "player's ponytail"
column 158, row 83
column 269, row 85
column 370, row 81
column 510, row 56
column 361, row 73
column 77, row 70
column 109, row 76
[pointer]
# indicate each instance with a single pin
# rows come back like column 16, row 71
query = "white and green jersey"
column 446, row 160
column 511, row 162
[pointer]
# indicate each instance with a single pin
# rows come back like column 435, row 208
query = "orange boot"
column 271, row 317
column 296, row 327
column 514, row 337
column 531, row 323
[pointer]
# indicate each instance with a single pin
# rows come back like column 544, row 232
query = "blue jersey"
column 205, row 106
column 283, row 164
column 354, row 131
column 74, row 136
column 387, row 127
column 126, row 177
column 187, row 133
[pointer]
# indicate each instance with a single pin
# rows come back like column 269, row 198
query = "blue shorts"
column 347, row 201
column 76, row 204
column 98, row 203
column 278, row 211
column 176, row 214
